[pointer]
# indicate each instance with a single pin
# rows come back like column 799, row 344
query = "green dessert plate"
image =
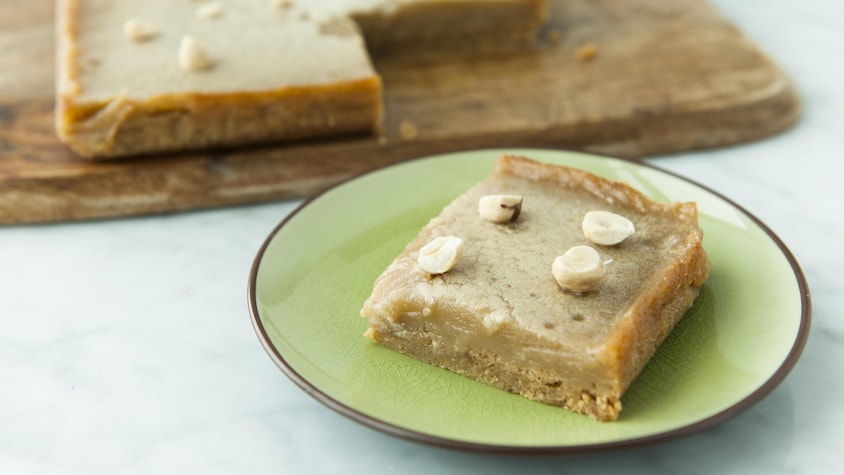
column 737, row 343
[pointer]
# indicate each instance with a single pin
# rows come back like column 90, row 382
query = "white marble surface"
column 126, row 346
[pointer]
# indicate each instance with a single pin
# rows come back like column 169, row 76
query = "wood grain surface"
column 667, row 77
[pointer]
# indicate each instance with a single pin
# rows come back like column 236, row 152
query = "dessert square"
column 480, row 292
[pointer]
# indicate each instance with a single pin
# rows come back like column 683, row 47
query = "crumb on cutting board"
column 587, row 52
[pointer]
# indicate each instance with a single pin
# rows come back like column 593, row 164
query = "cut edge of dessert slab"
column 297, row 71
column 510, row 325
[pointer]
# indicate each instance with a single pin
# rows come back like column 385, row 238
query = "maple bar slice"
column 162, row 75
column 500, row 317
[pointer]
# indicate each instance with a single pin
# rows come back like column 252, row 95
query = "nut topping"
column 605, row 228
column 500, row 208
column 193, row 56
column 139, row 30
column 580, row 269
column 440, row 255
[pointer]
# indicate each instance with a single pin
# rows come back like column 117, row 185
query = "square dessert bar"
column 483, row 301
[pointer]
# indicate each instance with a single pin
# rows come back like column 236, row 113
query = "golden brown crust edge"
column 67, row 12
column 123, row 127
column 602, row 188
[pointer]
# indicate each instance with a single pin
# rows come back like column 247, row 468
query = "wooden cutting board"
column 667, row 77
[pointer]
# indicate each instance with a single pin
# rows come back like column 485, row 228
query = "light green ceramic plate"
column 741, row 338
